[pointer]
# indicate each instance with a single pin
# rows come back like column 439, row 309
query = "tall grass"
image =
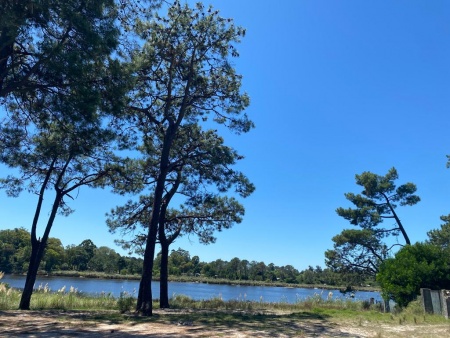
column 71, row 299
column 302, row 304
column 8, row 296
column 346, row 309
column 44, row 298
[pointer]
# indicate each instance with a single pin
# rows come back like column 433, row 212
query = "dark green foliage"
column 53, row 256
column 104, row 260
column 441, row 237
column 378, row 202
column 57, row 132
column 362, row 250
column 14, row 250
column 414, row 267
column 44, row 43
column 78, row 256
column 356, row 251
column 183, row 77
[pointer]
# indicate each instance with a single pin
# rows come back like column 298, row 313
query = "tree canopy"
column 183, row 77
column 441, row 237
column 413, row 267
column 81, row 81
column 43, row 44
column 57, row 130
column 364, row 249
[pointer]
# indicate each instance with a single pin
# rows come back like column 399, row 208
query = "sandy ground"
column 78, row 324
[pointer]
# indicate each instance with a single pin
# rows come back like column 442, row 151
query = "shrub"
column 126, row 302
column 414, row 267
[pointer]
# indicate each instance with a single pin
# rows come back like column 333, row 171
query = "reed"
column 72, row 299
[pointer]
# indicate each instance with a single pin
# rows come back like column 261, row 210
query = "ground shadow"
column 168, row 324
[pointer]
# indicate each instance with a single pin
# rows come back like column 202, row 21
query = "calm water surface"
column 196, row 291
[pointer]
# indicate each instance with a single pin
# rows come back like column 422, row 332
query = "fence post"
column 427, row 302
column 445, row 302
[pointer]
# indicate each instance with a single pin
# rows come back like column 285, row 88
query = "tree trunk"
column 399, row 223
column 37, row 245
column 165, row 243
column 37, row 251
column 164, row 276
column 144, row 301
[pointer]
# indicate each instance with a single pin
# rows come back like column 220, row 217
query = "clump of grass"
column 215, row 303
column 317, row 301
column 414, row 308
column 181, row 302
column 44, row 298
column 126, row 302
column 9, row 298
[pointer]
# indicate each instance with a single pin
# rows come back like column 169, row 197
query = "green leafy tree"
column 14, row 244
column 232, row 269
column 257, row 271
column 105, row 260
column 414, row 267
column 364, row 249
column 356, row 251
column 183, row 77
column 54, row 255
column 441, row 237
column 244, row 269
column 287, row 274
column 79, row 256
column 206, row 215
column 179, row 261
column 59, row 143
column 134, row 265
column 42, row 42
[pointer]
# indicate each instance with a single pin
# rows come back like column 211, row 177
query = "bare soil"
column 173, row 323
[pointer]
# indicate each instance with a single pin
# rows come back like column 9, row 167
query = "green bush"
column 126, row 302
column 414, row 267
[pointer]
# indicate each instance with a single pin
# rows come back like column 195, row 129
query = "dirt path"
column 81, row 324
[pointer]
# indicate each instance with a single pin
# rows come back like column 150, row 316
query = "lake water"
column 197, row 291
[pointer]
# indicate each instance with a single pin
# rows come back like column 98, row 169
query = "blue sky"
column 337, row 88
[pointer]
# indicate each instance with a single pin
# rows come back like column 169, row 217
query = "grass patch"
column 273, row 318
column 307, row 318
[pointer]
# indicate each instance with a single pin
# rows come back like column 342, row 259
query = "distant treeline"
column 15, row 251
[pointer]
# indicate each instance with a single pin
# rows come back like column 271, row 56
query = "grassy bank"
column 71, row 299
column 278, row 318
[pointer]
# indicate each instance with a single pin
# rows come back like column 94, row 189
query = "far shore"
column 207, row 280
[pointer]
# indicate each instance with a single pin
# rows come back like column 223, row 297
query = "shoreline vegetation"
column 207, row 280
column 53, row 312
column 89, row 261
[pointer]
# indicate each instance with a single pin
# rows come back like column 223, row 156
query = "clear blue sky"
column 337, row 88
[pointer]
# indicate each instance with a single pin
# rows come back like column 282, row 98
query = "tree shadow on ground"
column 272, row 325
column 222, row 322
column 174, row 323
